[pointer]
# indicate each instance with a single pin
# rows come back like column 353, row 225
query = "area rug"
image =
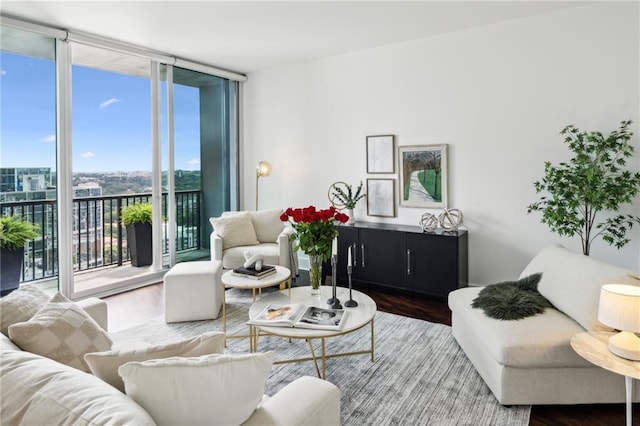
column 420, row 376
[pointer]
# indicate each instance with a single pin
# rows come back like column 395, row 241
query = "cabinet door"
column 431, row 264
column 380, row 257
column 347, row 236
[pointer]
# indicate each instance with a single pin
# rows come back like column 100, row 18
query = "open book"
column 300, row 316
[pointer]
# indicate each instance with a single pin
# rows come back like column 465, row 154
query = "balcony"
column 100, row 253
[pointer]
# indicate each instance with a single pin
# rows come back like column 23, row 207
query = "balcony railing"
column 99, row 239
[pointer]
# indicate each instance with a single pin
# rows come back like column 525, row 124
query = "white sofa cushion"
column 7, row 345
column 538, row 341
column 62, row 331
column 572, row 282
column 20, row 305
column 105, row 364
column 267, row 225
column 39, row 391
column 211, row 389
column 235, row 230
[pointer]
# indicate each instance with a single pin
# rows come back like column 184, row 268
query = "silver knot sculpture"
column 449, row 220
column 429, row 222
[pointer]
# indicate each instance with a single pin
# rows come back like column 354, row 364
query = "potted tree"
column 137, row 219
column 593, row 181
column 15, row 232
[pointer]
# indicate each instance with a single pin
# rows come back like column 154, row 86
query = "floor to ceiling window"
column 111, row 157
column 113, row 149
column 28, row 143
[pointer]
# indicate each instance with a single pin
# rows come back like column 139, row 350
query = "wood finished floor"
column 137, row 306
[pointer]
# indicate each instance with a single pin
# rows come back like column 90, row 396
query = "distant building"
column 25, row 184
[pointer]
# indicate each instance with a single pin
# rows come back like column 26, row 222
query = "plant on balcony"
column 15, row 232
column 137, row 219
column 593, row 181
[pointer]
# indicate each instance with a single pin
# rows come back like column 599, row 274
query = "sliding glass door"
column 112, row 162
column 28, row 147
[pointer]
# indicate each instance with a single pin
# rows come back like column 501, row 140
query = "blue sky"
column 110, row 118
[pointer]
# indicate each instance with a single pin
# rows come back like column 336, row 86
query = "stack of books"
column 252, row 273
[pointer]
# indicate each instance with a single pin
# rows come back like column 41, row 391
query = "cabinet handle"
column 408, row 261
column 362, row 254
column 354, row 253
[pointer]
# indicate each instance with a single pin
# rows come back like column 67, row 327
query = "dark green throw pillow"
column 512, row 300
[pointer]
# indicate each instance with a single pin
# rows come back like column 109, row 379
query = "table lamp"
column 263, row 169
column 620, row 308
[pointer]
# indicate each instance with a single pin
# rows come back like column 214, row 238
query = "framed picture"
column 423, row 176
column 380, row 154
column 381, row 197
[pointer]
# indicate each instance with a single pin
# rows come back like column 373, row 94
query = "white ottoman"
column 193, row 291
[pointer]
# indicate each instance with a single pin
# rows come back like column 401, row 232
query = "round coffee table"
column 355, row 319
column 229, row 280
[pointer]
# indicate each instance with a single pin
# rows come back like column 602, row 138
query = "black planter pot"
column 10, row 267
column 140, row 244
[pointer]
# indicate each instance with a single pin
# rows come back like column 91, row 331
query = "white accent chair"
column 259, row 232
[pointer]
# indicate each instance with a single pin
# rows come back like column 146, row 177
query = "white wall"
column 497, row 95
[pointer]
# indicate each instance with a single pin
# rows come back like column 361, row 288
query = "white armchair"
column 260, row 232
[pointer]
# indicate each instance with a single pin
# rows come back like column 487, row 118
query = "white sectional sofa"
column 36, row 390
column 530, row 361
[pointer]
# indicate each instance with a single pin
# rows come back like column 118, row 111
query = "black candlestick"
column 334, row 302
column 350, row 303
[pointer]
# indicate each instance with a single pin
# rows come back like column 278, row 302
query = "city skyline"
column 111, row 130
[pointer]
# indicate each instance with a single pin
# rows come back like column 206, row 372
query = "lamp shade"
column 263, row 169
column 620, row 307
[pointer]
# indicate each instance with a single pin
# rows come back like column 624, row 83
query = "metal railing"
column 99, row 238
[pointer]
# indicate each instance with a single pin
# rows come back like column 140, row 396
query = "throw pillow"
column 211, row 389
column 20, row 305
column 512, row 300
column 105, row 364
column 235, row 230
column 62, row 331
column 267, row 225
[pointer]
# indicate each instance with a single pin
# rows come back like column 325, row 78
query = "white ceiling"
column 251, row 36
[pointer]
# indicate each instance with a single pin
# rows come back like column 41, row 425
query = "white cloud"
column 48, row 139
column 88, row 154
column 3, row 72
column 194, row 163
column 109, row 102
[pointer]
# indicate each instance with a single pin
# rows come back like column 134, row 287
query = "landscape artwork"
column 423, row 176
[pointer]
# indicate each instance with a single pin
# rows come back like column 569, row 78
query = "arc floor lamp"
column 263, row 169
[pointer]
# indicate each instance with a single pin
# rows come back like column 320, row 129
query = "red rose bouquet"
column 314, row 228
column 315, row 232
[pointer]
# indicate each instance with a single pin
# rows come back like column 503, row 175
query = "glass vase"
column 315, row 273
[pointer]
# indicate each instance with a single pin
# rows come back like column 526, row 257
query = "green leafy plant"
column 593, row 181
column 136, row 213
column 15, row 232
column 348, row 198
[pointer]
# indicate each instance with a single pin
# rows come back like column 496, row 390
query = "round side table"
column 594, row 348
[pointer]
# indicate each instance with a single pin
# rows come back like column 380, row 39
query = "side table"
column 229, row 280
column 594, row 348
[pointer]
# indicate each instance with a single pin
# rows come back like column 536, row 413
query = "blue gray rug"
column 420, row 375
